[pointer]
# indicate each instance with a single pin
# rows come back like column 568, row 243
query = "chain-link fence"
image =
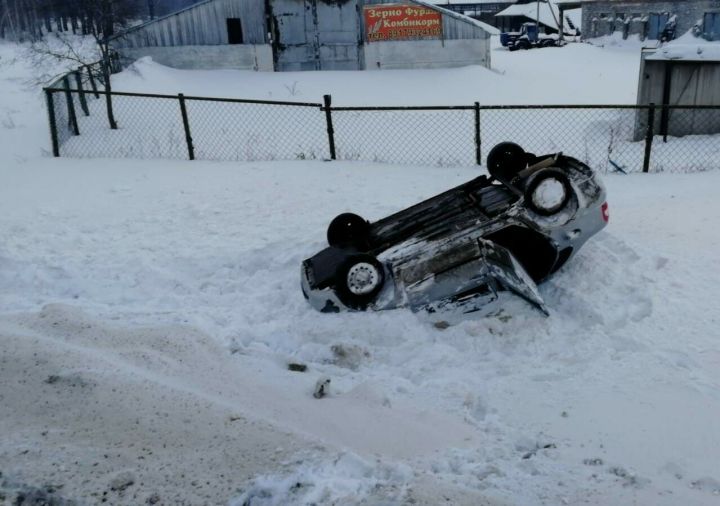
column 86, row 121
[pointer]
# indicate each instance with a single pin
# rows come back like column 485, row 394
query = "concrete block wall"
column 426, row 54
column 234, row 56
column 689, row 12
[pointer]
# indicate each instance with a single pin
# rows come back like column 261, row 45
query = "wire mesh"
column 250, row 131
column 62, row 118
column 415, row 136
column 603, row 138
column 608, row 138
column 147, row 127
column 686, row 139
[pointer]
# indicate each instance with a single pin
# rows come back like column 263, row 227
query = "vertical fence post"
column 330, row 129
column 70, row 107
column 665, row 121
column 186, row 125
column 53, row 122
column 649, row 133
column 81, row 93
column 93, row 84
column 478, row 141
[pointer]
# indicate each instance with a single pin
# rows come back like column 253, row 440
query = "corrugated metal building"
column 287, row 35
column 681, row 75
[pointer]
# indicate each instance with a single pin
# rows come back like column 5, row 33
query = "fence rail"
column 624, row 138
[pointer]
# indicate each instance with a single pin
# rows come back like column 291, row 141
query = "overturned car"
column 459, row 249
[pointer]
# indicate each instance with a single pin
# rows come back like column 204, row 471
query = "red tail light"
column 605, row 212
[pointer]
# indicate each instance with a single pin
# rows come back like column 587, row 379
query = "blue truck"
column 527, row 38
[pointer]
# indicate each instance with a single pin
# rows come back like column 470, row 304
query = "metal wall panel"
column 316, row 34
column 690, row 83
column 307, row 34
column 201, row 24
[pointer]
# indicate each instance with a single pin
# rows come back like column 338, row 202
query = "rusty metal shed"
column 288, row 35
column 681, row 75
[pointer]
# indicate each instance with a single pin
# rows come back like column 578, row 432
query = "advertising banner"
column 401, row 22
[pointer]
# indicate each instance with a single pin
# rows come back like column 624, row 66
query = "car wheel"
column 348, row 230
column 505, row 160
column 359, row 280
column 548, row 192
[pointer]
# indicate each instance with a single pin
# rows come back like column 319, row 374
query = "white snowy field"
column 149, row 310
column 575, row 74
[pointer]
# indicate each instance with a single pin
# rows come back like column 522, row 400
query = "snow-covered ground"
column 604, row 74
column 149, row 310
column 575, row 74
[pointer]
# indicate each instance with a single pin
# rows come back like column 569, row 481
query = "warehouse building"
column 289, row 35
column 680, row 75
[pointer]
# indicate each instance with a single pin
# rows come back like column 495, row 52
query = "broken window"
column 234, row 28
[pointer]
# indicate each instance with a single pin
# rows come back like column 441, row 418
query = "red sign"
column 401, row 22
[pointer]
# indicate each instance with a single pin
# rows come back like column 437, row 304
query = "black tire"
column 505, row 160
column 537, row 180
column 523, row 44
column 353, row 294
column 348, row 230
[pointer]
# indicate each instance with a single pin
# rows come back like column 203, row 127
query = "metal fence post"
column 70, row 107
column 186, row 125
column 93, row 84
column 478, row 141
column 81, row 93
column 665, row 121
column 53, row 122
column 330, row 129
column 649, row 133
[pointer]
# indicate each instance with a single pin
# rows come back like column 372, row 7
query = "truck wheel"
column 348, row 230
column 505, row 160
column 359, row 280
column 548, row 192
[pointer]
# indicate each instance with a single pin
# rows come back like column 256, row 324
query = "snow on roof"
column 688, row 47
column 469, row 2
column 687, row 53
column 575, row 15
column 548, row 13
column 471, row 21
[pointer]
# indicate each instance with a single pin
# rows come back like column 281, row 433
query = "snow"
column 548, row 13
column 149, row 309
column 688, row 47
column 601, row 76
column 597, row 76
column 490, row 29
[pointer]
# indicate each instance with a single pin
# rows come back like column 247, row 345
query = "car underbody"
column 506, row 232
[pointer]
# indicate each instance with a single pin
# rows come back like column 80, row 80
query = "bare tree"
column 100, row 19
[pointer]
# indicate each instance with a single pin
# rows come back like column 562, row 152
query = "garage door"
column 316, row 34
